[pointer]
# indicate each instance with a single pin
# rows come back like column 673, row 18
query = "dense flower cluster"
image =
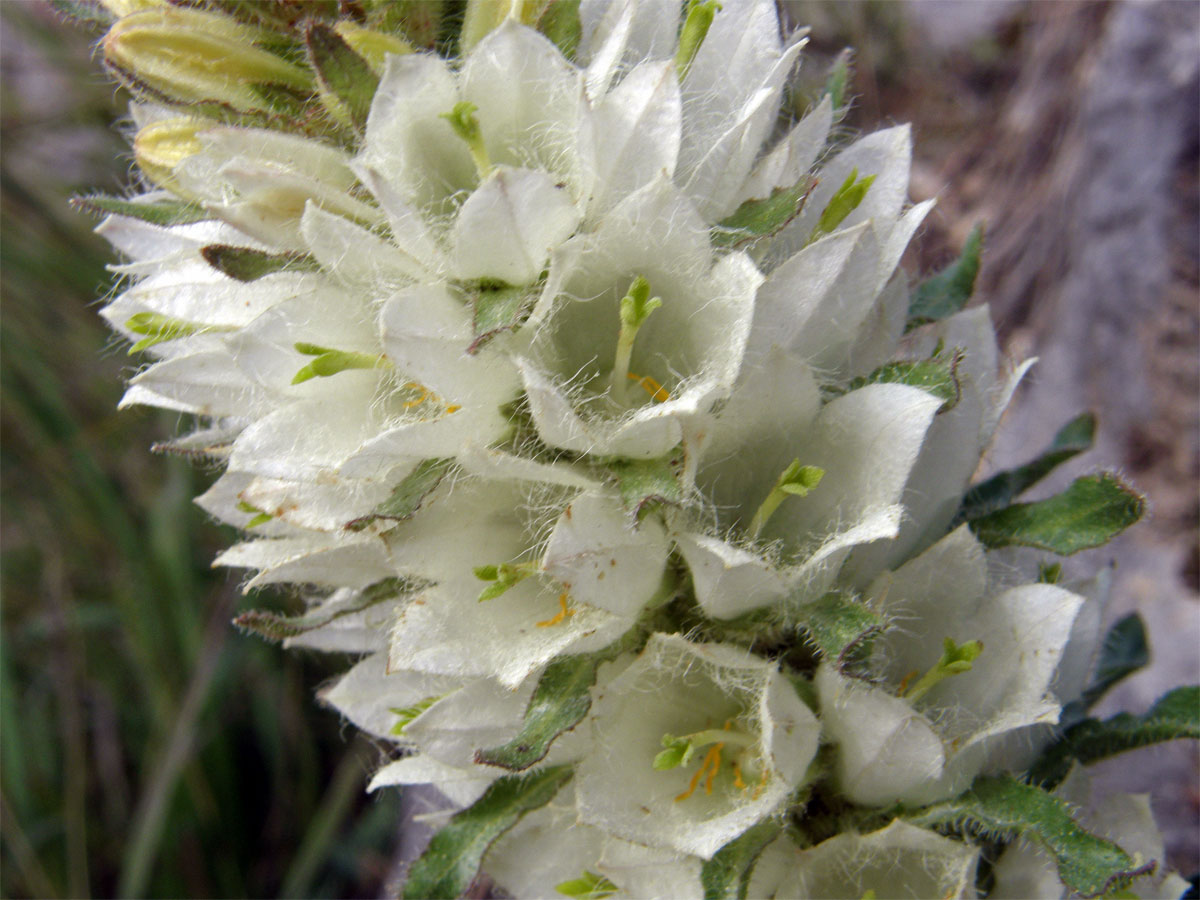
column 593, row 412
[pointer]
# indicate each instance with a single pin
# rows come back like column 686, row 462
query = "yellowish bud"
column 161, row 146
column 483, row 16
column 373, row 46
column 190, row 56
column 127, row 7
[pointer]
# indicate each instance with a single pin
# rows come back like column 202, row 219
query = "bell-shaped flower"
column 900, row 860
column 639, row 330
column 693, row 744
column 947, row 696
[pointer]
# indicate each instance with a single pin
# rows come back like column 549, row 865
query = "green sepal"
column 945, row 293
column 1089, row 513
column 845, row 200
column 1175, row 716
column 498, row 307
column 840, row 627
column 727, row 875
column 560, row 22
column 763, row 218
column 642, row 482
column 160, row 212
column 1002, row 488
column 247, row 264
column 559, row 702
column 452, row 859
column 259, row 517
column 348, row 79
column 937, row 376
column 1002, row 808
column 406, row 497
column 588, row 886
column 274, row 627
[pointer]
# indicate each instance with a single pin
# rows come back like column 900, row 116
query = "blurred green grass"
column 146, row 747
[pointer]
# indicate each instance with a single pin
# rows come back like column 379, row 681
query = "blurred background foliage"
column 149, row 749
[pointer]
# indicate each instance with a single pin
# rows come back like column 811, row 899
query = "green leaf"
column 1176, row 715
column 839, row 626
column 1003, row 808
column 1124, row 652
column 342, row 72
column 644, row 481
column 561, row 23
column 161, row 212
column 1089, row 513
column 498, row 308
column 450, row 863
column 938, row 376
column 275, row 627
column 948, row 291
column 246, row 264
column 407, row 496
column 1001, row 489
column 845, row 200
column 727, row 875
column 837, row 82
column 763, row 218
column 559, row 702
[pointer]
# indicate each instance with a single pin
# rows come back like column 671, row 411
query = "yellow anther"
column 563, row 613
column 737, row 777
column 452, row 408
column 904, row 682
column 657, row 392
column 422, row 394
column 715, row 753
column 762, row 783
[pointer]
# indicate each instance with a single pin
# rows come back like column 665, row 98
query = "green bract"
column 600, row 423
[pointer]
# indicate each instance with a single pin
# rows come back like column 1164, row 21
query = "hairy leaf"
column 450, row 863
column 561, row 23
column 342, row 72
column 275, row 627
column 1176, row 715
column 839, row 626
column 945, row 293
column 1002, row 807
column 161, row 212
column 643, row 481
column 559, row 702
column 1124, row 652
column 1001, row 489
column 763, row 217
column 1089, row 513
column 727, row 875
column 407, row 496
column 498, row 308
column 938, row 376
column 247, row 264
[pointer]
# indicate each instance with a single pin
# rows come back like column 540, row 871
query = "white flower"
column 927, row 730
column 694, row 743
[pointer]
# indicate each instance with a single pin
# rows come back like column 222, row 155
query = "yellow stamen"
column 657, row 392
column 563, row 613
column 693, row 783
column 422, row 391
column 715, row 753
column 737, row 777
column 904, row 682
column 762, row 783
column 452, row 408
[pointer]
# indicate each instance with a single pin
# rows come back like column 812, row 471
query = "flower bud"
column 121, row 8
column 161, row 146
column 189, row 56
